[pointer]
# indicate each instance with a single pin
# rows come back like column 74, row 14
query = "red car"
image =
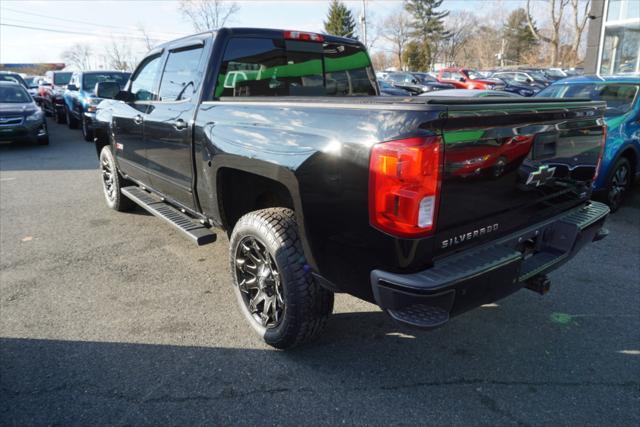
column 464, row 78
column 494, row 156
column 50, row 95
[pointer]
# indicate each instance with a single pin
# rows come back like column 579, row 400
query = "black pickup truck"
column 425, row 207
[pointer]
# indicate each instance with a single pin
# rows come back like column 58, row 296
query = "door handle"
column 180, row 124
column 137, row 119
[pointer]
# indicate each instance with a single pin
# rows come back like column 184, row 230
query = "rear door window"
column 277, row 67
column 182, row 74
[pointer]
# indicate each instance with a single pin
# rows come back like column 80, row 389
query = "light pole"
column 363, row 22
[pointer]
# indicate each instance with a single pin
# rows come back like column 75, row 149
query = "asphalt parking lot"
column 110, row 318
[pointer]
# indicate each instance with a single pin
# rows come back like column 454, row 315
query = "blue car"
column 80, row 101
column 620, row 165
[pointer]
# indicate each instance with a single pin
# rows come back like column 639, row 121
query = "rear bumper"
column 487, row 273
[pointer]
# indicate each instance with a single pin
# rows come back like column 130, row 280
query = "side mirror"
column 107, row 90
column 124, row 96
column 72, row 87
column 462, row 79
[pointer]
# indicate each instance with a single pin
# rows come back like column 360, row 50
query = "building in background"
column 37, row 68
column 613, row 42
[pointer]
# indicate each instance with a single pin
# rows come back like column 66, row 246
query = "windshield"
column 473, row 74
column 31, row 81
column 425, row 78
column 11, row 94
column 619, row 97
column 537, row 75
column 555, row 73
column 89, row 81
column 61, row 79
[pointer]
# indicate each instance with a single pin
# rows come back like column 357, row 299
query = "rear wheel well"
column 243, row 192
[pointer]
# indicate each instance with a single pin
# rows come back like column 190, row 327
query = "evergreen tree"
column 340, row 21
column 414, row 56
column 427, row 25
column 519, row 38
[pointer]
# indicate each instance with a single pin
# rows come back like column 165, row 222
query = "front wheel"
column 112, row 182
column 274, row 288
column 618, row 183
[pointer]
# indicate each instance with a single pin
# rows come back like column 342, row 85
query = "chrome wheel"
column 259, row 282
column 108, row 183
column 619, row 184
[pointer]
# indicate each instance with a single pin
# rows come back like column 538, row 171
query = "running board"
column 153, row 204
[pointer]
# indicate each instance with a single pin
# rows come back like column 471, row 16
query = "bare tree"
column 398, row 33
column 148, row 42
column 119, row 57
column 557, row 8
column 78, row 56
column 460, row 25
column 579, row 22
column 208, row 14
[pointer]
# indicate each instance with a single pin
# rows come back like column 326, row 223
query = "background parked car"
column 51, row 94
column 472, row 93
column 80, row 100
column 6, row 76
column 386, row 89
column 21, row 120
column 621, row 159
column 465, row 78
column 33, row 83
column 416, row 83
column 519, row 88
column 534, row 81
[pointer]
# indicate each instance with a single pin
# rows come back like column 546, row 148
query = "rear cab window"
column 254, row 66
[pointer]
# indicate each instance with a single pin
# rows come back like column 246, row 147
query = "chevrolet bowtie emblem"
column 541, row 176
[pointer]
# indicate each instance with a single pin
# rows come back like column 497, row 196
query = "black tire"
column 112, row 184
column 87, row 133
column 306, row 305
column 618, row 183
column 59, row 116
column 44, row 139
column 72, row 122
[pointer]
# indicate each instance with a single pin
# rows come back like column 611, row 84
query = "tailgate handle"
column 545, row 145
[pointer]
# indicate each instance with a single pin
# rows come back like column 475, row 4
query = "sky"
column 98, row 23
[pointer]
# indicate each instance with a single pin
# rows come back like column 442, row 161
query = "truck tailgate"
column 512, row 164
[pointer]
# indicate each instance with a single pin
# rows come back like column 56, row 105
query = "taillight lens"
column 604, row 141
column 404, row 186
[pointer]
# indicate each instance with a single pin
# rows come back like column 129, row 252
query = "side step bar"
column 153, row 204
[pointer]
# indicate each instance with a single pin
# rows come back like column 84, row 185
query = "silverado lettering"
column 229, row 131
column 456, row 240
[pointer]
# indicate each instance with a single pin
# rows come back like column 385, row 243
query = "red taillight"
column 307, row 37
column 604, row 141
column 404, row 186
